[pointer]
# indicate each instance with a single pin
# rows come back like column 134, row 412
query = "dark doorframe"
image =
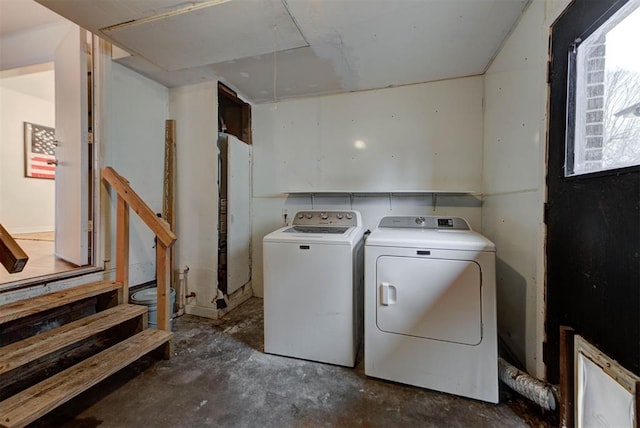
column 235, row 114
column 593, row 225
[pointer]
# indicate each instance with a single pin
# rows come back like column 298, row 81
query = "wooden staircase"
column 48, row 367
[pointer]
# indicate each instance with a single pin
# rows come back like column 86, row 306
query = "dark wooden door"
column 593, row 224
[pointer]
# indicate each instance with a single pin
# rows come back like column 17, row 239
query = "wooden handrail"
column 12, row 256
column 128, row 198
column 157, row 225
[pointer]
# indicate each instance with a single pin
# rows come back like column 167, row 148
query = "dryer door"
column 430, row 298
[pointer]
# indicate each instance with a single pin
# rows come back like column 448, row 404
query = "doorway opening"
column 593, row 183
column 45, row 168
column 27, row 186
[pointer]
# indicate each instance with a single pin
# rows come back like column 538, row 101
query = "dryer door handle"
column 387, row 294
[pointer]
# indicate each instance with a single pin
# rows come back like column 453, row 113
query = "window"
column 603, row 117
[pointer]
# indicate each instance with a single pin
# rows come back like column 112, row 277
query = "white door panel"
column 430, row 298
column 238, row 213
column 72, row 178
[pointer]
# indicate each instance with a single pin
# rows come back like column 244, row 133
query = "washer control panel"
column 332, row 218
column 425, row 222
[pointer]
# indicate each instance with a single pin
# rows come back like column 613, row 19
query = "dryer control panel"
column 425, row 222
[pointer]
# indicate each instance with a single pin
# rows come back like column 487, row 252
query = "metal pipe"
column 535, row 390
column 182, row 290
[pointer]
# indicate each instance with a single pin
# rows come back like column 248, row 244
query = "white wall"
column 418, row 137
column 133, row 145
column 26, row 204
column 195, row 110
column 515, row 124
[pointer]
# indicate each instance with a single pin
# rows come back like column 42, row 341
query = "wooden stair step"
column 34, row 347
column 35, row 402
column 23, row 308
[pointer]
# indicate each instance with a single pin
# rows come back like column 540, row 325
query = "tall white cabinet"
column 234, row 227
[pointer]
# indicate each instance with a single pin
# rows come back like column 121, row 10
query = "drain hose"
column 521, row 382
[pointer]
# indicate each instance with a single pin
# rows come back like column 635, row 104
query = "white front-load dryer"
column 430, row 311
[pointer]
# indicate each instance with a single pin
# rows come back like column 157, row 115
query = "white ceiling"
column 24, row 15
column 275, row 49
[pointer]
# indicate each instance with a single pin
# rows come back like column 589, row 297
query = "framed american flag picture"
column 40, row 151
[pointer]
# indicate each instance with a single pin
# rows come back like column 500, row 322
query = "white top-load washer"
column 313, row 285
column 430, row 306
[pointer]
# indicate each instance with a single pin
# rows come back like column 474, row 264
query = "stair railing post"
column 162, row 281
column 122, row 249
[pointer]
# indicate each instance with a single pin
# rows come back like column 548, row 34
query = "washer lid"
column 351, row 236
column 430, row 239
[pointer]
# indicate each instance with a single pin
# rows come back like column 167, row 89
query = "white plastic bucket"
column 149, row 298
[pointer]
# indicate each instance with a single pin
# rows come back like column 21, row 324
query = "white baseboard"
column 201, row 311
column 30, row 229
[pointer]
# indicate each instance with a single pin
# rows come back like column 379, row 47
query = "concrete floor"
column 219, row 376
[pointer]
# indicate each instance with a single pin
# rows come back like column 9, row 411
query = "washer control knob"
column 339, row 215
column 419, row 220
column 324, row 216
column 349, row 216
column 300, row 215
column 309, row 215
